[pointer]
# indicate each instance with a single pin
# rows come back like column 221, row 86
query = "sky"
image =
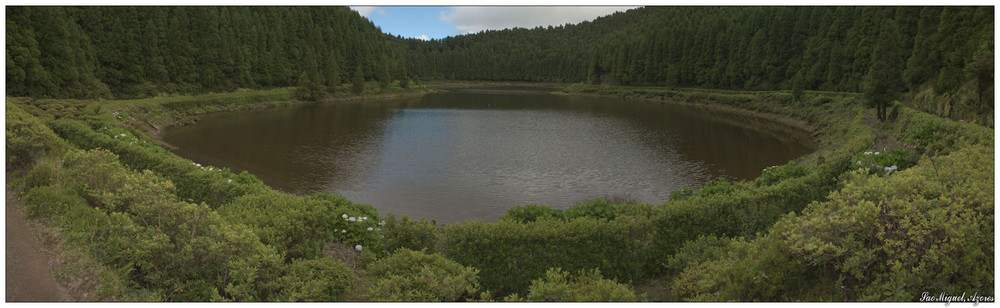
column 437, row 22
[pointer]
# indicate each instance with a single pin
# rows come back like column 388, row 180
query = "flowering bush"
column 127, row 136
column 302, row 226
column 885, row 162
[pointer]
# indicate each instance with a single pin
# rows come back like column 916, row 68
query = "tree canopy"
column 123, row 52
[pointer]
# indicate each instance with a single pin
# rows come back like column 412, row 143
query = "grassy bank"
column 833, row 225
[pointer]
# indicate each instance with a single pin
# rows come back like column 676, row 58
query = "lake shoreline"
column 800, row 124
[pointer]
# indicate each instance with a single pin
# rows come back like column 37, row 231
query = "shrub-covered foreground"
column 838, row 224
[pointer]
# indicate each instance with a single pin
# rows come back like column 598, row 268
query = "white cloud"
column 478, row 18
column 423, row 37
column 367, row 10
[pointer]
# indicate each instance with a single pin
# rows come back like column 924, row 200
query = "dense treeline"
column 88, row 52
column 946, row 49
column 122, row 52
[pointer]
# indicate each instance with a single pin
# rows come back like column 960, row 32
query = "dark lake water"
column 474, row 153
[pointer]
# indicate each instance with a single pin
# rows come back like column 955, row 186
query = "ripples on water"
column 473, row 153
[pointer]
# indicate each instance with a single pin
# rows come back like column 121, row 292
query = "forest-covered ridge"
column 83, row 52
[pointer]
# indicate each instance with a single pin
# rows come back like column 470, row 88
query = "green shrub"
column 27, row 139
column 194, row 183
column 931, row 135
column 587, row 286
column 877, row 239
column 717, row 186
column 597, row 208
column 44, row 173
column 885, row 162
column 409, row 234
column 510, row 255
column 742, row 209
column 301, row 226
column 316, row 280
column 681, row 194
column 409, row 275
column 49, row 201
column 530, row 212
column 177, row 250
column 702, row 249
column 776, row 174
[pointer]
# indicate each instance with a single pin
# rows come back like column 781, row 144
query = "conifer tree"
column 358, row 81
column 884, row 81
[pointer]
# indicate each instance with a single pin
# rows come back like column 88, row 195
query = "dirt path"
column 29, row 277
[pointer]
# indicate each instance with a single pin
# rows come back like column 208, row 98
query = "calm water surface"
column 474, row 153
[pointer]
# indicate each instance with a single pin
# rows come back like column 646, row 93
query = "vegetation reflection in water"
column 473, row 153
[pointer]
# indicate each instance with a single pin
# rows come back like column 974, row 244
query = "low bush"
column 510, row 255
column 702, row 249
column 530, row 212
column 587, row 286
column 775, row 174
column 302, row 226
column 597, row 208
column 929, row 227
column 316, row 280
column 194, row 183
column 418, row 235
column 409, row 275
column 131, row 220
column 885, row 162
column 747, row 208
column 27, row 139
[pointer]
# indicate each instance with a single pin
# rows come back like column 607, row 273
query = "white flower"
column 357, row 247
column 199, row 165
column 876, row 153
column 370, row 229
column 230, row 180
column 343, row 231
column 351, row 219
column 344, row 216
column 382, row 223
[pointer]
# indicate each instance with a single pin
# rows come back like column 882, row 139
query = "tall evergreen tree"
column 358, row 81
column 884, row 81
column 383, row 74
